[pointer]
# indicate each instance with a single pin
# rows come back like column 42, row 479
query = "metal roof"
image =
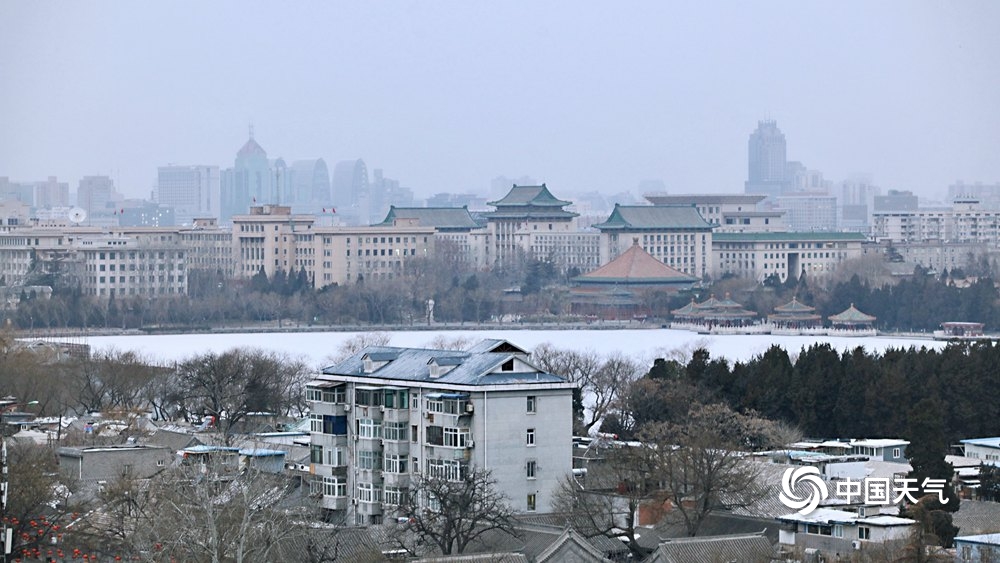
column 480, row 366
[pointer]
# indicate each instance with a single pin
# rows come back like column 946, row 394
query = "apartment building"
column 385, row 415
column 966, row 221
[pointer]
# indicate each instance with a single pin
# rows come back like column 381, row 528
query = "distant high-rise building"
column 192, row 191
column 987, row 194
column 310, row 185
column 897, row 200
column 351, row 190
column 767, row 160
column 96, row 193
column 16, row 191
column 51, row 193
column 248, row 182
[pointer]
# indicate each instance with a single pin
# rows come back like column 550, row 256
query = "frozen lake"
column 315, row 348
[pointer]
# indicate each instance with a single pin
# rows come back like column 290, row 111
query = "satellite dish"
column 77, row 215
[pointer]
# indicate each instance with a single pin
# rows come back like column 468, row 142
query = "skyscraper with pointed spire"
column 253, row 180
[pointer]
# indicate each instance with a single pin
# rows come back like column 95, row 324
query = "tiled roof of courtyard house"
column 748, row 548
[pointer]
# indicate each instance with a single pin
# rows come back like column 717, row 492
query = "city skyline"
column 447, row 97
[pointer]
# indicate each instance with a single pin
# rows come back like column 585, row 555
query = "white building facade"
column 386, row 417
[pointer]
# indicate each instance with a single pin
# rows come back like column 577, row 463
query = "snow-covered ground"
column 315, row 348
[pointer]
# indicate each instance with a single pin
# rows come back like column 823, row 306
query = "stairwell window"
column 530, row 437
column 531, row 404
column 531, row 503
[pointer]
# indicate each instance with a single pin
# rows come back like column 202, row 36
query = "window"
column 414, row 433
column 530, row 437
column 395, row 463
column 316, row 454
column 368, row 428
column 508, row 365
column 396, row 431
column 451, row 470
column 336, row 457
column 369, row 460
column 435, row 435
column 864, row 533
column 530, row 469
column 394, row 496
column 531, row 503
column 368, row 492
column 531, row 404
column 334, row 487
column 838, row 530
column 897, row 453
column 456, row 437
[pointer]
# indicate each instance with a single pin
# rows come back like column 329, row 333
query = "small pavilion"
column 714, row 312
column 795, row 316
column 852, row 320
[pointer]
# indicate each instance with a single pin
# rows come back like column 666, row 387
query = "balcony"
column 334, row 503
column 396, row 415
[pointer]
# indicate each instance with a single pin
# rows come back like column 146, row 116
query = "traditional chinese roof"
column 636, row 266
column 523, row 196
column 441, row 218
column 715, row 309
column 687, row 310
column 851, row 316
column 654, row 217
column 794, row 310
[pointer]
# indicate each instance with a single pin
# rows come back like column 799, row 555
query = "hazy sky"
column 446, row 95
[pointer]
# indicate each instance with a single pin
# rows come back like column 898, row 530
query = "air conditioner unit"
column 469, row 407
column 347, row 408
column 381, row 408
column 354, row 501
column 428, row 415
column 856, row 544
column 355, row 437
column 470, row 444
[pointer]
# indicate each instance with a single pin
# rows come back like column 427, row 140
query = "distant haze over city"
column 446, row 96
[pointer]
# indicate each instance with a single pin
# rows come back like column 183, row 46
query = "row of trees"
column 124, row 386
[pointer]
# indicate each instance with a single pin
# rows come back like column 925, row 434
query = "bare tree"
column 39, row 500
column 602, row 380
column 606, row 501
column 358, row 343
column 231, row 385
column 204, row 512
column 443, row 342
column 451, row 513
column 701, row 463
